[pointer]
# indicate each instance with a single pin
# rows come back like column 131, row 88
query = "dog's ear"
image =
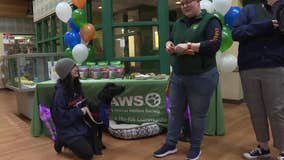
column 116, row 90
column 109, row 85
column 105, row 96
column 109, row 91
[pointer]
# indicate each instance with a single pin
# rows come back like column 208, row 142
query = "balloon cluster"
column 81, row 32
column 226, row 13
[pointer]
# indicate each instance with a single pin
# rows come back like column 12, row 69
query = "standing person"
column 194, row 41
column 68, row 113
column 261, row 61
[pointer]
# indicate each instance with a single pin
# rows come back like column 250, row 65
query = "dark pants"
column 82, row 147
column 196, row 91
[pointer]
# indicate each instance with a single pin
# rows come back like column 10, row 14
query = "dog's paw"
column 98, row 152
column 58, row 145
column 103, row 146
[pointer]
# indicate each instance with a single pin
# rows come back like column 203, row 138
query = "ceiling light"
column 178, row 2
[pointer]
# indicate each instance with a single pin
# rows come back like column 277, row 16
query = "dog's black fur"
column 99, row 112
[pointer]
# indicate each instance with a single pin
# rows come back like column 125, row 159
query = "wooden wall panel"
column 14, row 8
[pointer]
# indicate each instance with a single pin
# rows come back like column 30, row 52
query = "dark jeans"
column 196, row 90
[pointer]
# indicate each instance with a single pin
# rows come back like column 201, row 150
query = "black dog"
column 98, row 117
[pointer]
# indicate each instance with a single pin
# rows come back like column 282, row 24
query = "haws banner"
column 140, row 107
column 43, row 8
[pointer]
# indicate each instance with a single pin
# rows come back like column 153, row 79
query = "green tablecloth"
column 142, row 101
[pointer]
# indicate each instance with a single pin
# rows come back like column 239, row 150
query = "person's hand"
column 180, row 48
column 170, row 47
column 275, row 24
column 84, row 110
column 189, row 52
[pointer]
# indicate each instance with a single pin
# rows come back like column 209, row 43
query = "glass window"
column 97, row 11
column 97, row 42
column 58, row 46
column 40, row 48
column 48, row 21
column 129, row 11
column 57, row 23
column 174, row 10
column 39, row 32
column 136, row 41
column 42, row 30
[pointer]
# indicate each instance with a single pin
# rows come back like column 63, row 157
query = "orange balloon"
column 79, row 3
column 87, row 32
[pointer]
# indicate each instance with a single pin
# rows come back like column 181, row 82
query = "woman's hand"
column 180, row 48
column 170, row 47
column 84, row 110
column 189, row 52
column 275, row 24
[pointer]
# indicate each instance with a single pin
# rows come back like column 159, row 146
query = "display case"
column 24, row 71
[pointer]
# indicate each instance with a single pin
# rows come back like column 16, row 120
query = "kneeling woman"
column 71, row 129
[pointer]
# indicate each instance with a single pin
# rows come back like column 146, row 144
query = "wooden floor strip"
column 16, row 142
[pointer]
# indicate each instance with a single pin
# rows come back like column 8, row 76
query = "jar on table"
column 116, row 69
column 112, row 72
column 96, row 72
column 104, row 69
column 84, row 72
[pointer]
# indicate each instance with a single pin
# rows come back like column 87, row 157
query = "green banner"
column 142, row 101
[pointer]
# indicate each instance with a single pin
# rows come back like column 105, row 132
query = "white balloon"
column 228, row 63
column 222, row 6
column 80, row 53
column 207, row 5
column 63, row 11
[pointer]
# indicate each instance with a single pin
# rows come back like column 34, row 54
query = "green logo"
column 195, row 26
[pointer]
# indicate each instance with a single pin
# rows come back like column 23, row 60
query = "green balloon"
column 91, row 55
column 68, row 53
column 79, row 17
column 227, row 40
column 219, row 16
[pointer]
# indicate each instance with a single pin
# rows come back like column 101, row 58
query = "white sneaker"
column 195, row 158
column 280, row 157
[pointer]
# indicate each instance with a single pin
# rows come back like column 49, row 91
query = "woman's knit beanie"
column 63, row 67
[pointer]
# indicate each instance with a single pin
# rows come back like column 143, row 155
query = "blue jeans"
column 195, row 90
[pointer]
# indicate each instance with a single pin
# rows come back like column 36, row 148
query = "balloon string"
column 186, row 114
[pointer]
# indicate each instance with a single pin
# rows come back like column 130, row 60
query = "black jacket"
column 260, row 45
column 67, row 115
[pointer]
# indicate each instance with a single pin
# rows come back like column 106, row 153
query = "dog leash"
column 90, row 115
